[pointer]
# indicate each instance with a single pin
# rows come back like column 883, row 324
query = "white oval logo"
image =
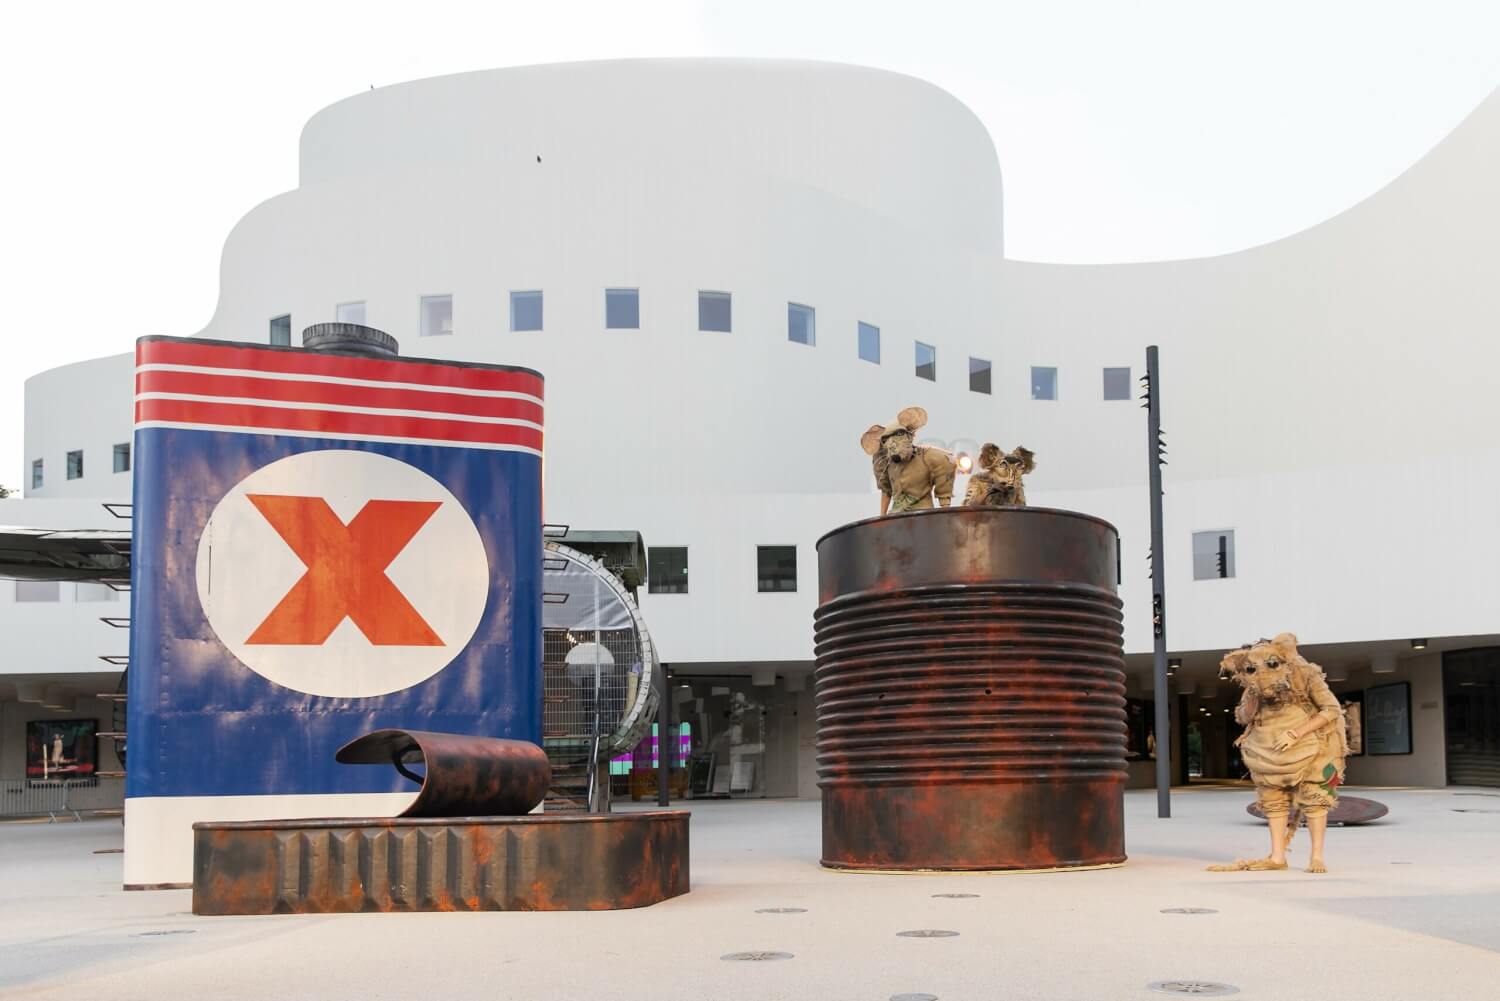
column 342, row 573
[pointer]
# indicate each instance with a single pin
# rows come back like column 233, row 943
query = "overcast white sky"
column 136, row 134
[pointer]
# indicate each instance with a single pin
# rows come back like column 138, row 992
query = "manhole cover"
column 927, row 933
column 1494, row 794
column 165, row 931
column 1188, row 910
column 1192, row 988
column 956, row 896
column 781, row 910
column 755, row 957
column 1472, row 809
column 109, row 851
column 914, row 997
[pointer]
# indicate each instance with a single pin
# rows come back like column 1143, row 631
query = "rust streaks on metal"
column 970, row 692
column 533, row 863
column 465, row 776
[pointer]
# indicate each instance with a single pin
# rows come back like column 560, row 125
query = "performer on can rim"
column 909, row 475
column 1294, row 744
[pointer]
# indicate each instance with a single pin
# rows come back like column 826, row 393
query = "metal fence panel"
column 58, row 798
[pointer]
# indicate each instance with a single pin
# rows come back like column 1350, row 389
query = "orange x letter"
column 345, row 572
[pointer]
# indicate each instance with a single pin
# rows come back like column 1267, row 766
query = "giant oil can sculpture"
column 970, row 691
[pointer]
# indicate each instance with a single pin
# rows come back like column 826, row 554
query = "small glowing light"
column 1419, row 644
column 964, row 463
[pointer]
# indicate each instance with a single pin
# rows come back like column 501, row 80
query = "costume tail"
column 1293, row 821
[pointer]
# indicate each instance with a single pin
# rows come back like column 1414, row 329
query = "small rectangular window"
column 350, row 312
column 122, row 457
column 1043, row 383
column 714, row 311
column 926, row 362
column 36, row 474
column 75, row 465
column 1119, row 562
column 37, row 590
column 869, row 342
column 1213, row 555
column 622, row 308
column 667, row 570
column 979, row 376
column 801, row 324
column 525, row 311
column 89, row 591
column 437, row 315
column 281, row 330
column 1117, row 384
column 776, row 568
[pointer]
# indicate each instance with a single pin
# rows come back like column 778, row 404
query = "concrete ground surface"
column 1410, row 911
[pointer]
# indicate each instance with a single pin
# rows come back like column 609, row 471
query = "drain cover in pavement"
column 755, row 957
column 167, row 931
column 1192, row 988
column 781, row 910
column 956, row 896
column 1471, row 809
column 927, row 933
column 914, row 997
column 1188, row 910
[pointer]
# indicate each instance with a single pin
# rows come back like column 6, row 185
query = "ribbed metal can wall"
column 971, row 691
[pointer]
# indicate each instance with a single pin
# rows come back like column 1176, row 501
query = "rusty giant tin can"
column 971, row 691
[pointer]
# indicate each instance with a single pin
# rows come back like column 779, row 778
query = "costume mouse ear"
column 1027, row 457
column 870, row 440
column 1287, row 644
column 1233, row 661
column 912, row 418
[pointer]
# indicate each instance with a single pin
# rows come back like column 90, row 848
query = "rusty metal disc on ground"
column 1351, row 810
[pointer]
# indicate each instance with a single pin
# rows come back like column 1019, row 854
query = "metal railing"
column 58, row 798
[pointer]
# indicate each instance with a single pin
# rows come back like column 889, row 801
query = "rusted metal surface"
column 1350, row 810
column 465, row 776
column 971, row 691
column 568, row 862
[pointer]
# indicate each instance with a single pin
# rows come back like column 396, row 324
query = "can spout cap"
column 350, row 339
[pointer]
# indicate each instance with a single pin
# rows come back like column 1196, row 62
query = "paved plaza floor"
column 1410, row 911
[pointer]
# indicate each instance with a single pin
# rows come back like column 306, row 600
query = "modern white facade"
column 1330, row 398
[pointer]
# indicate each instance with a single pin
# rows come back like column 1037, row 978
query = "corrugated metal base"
column 974, row 827
column 543, row 862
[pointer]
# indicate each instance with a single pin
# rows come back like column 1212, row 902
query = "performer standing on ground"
column 1294, row 744
column 909, row 475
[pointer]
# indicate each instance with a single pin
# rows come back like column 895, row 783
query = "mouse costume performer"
column 997, row 483
column 1294, row 743
column 908, row 475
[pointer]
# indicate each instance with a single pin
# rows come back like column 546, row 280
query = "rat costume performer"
column 908, row 475
column 1294, row 744
column 998, row 480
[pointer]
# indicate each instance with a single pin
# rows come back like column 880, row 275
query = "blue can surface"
column 324, row 545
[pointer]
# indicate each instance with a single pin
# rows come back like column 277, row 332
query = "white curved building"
column 1330, row 399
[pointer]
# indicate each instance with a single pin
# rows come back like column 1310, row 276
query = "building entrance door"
column 1471, row 703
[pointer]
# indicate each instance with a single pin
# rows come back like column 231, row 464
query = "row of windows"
column 51, row 590
column 75, row 465
column 776, row 566
column 622, row 311
column 667, row 569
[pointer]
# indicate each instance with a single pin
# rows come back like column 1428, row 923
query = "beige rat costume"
column 911, row 475
column 1295, row 740
column 997, row 482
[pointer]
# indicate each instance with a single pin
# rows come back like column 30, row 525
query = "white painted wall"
column 1427, row 764
column 1329, row 396
column 85, row 406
